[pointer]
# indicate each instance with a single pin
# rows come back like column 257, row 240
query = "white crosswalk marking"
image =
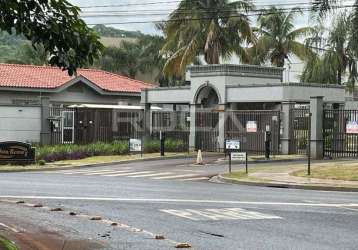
column 151, row 175
column 85, row 171
column 128, row 174
column 195, row 179
column 181, row 175
column 108, row 172
column 174, row 177
column 219, row 214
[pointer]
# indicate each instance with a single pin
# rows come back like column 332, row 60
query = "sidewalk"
column 283, row 176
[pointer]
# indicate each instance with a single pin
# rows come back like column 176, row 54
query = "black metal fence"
column 84, row 125
column 340, row 133
column 250, row 127
column 207, row 131
column 299, row 130
column 174, row 125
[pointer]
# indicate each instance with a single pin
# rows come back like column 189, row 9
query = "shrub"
column 77, row 152
column 42, row 162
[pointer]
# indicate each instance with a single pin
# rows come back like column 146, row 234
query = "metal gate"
column 340, row 133
column 174, row 124
column 299, row 130
column 93, row 125
column 250, row 127
column 207, row 131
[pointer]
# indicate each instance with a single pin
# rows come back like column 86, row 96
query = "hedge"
column 76, row 152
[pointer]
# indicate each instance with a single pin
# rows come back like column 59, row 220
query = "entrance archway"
column 207, row 97
column 207, row 119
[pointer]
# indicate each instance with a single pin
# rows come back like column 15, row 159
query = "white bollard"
column 199, row 158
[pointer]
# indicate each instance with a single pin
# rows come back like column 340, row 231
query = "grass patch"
column 336, row 172
column 6, row 244
column 89, row 160
column 236, row 175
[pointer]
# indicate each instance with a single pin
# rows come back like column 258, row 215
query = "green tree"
column 278, row 38
column 130, row 58
column 213, row 29
column 54, row 24
column 338, row 56
column 321, row 7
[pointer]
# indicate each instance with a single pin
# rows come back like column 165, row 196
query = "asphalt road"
column 181, row 205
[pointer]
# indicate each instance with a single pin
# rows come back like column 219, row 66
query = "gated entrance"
column 93, row 125
column 250, row 127
column 340, row 133
column 207, row 131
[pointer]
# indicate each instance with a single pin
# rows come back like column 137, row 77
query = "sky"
column 139, row 15
column 129, row 11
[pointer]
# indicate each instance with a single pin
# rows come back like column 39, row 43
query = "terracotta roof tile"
column 45, row 77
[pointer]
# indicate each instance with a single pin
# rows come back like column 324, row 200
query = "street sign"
column 251, row 126
column 352, row 127
column 232, row 144
column 135, row 145
column 238, row 156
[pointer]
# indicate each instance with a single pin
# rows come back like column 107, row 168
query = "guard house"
column 244, row 89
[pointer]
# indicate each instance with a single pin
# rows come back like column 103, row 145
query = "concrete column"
column 221, row 138
column 192, row 127
column 45, row 134
column 147, row 120
column 286, row 137
column 316, row 109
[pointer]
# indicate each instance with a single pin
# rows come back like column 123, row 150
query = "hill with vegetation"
column 105, row 31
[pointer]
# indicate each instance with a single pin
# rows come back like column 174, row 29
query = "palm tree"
column 277, row 38
column 131, row 58
column 322, row 6
column 213, row 29
column 338, row 56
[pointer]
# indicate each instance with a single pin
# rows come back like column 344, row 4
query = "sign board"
column 135, row 145
column 232, row 144
column 238, row 156
column 14, row 152
column 352, row 127
column 251, row 126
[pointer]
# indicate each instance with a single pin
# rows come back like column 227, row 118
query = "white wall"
column 20, row 124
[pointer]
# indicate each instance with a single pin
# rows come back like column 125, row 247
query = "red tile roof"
column 45, row 77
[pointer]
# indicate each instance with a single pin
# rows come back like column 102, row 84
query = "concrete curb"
column 286, row 185
column 99, row 164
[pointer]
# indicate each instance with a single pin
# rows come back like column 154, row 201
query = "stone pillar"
column 192, row 127
column 316, row 109
column 286, row 137
column 221, row 138
column 146, row 114
column 147, row 121
column 45, row 134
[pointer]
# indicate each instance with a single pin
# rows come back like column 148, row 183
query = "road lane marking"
column 351, row 205
column 108, row 172
column 220, row 214
column 151, row 175
column 196, row 179
column 173, row 177
column 128, row 174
